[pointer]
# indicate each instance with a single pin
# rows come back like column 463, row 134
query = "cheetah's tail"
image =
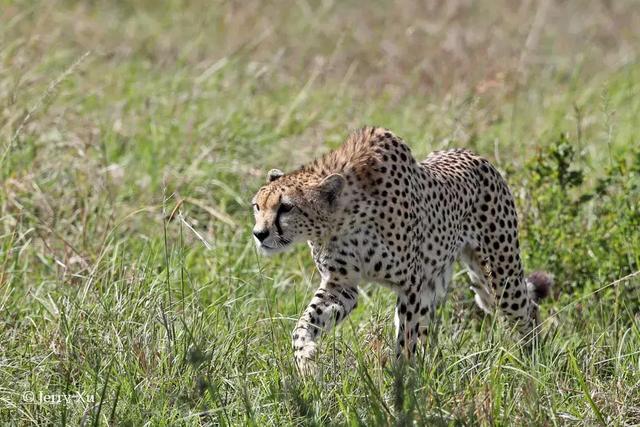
column 539, row 284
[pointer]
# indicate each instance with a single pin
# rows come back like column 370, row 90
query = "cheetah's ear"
column 331, row 187
column 274, row 174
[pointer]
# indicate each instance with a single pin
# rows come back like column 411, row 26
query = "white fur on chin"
column 268, row 251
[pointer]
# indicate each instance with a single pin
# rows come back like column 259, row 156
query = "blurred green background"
column 133, row 131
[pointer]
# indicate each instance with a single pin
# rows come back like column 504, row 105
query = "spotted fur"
column 370, row 211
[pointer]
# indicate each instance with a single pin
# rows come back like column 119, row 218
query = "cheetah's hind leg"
column 481, row 284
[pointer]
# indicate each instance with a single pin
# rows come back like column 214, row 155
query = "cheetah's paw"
column 306, row 360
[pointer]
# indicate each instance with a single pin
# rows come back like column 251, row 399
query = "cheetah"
column 370, row 212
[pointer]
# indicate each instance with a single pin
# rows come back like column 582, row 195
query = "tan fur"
column 356, row 156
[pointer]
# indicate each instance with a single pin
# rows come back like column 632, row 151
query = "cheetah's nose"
column 261, row 234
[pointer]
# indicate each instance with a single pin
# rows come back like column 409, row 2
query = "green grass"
column 174, row 116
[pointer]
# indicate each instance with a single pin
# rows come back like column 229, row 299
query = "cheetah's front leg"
column 329, row 306
column 415, row 311
column 407, row 323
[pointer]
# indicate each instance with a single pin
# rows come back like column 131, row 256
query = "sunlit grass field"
column 133, row 135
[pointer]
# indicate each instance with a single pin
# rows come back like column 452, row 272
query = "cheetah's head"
column 294, row 208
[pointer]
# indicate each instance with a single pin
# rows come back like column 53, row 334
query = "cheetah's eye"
column 284, row 208
column 255, row 206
